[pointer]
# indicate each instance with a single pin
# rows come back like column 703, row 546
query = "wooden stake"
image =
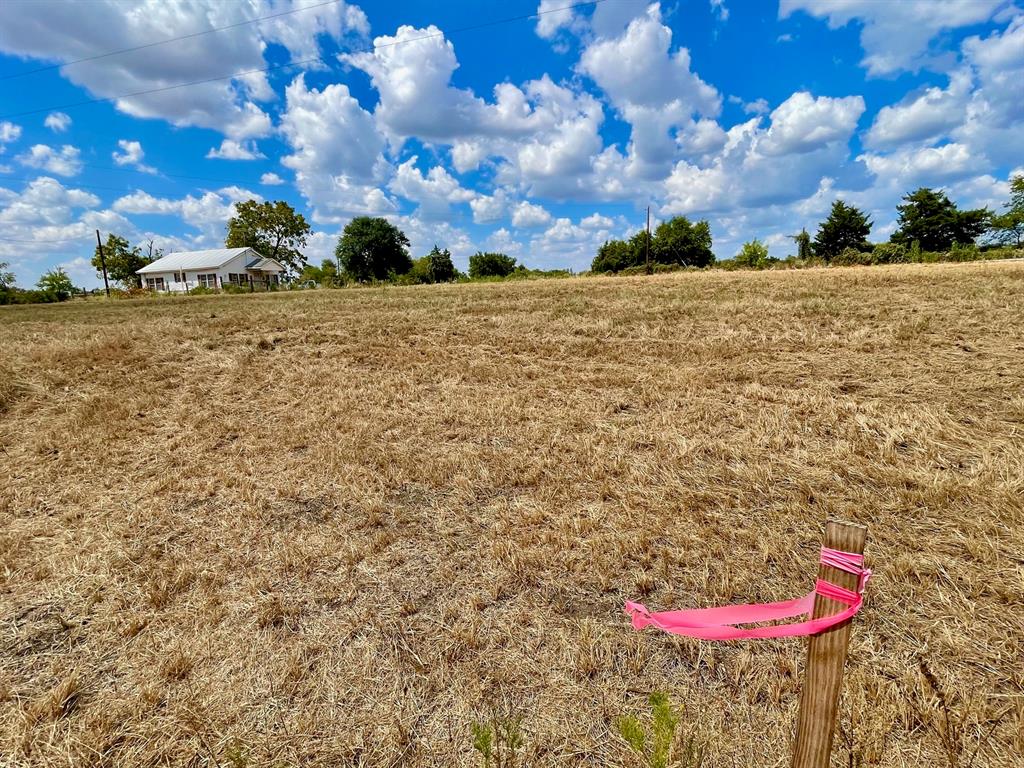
column 647, row 242
column 826, row 655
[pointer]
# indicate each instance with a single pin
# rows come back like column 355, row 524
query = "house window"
column 155, row 283
column 209, row 281
column 177, row 277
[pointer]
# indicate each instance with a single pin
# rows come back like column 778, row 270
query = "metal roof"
column 182, row 260
column 262, row 264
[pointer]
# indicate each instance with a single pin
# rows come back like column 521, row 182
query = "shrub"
column 964, row 252
column 200, row 290
column 889, row 253
column 853, row 257
column 753, row 255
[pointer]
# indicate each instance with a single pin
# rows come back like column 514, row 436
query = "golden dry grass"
column 336, row 527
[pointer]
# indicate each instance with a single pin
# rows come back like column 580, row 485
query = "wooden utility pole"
column 103, row 263
column 826, row 655
column 647, row 242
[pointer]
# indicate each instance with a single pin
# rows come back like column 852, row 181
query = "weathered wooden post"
column 826, row 656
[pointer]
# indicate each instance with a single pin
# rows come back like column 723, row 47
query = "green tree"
column 440, row 268
column 328, row 272
column 845, row 227
column 677, row 241
column 491, row 265
column 6, row 278
column 123, row 260
column 753, row 255
column 372, row 249
column 932, row 219
column 273, row 229
column 1008, row 228
column 641, row 245
column 612, row 256
column 56, row 284
column 803, row 244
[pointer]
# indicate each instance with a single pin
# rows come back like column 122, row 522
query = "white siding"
column 236, row 266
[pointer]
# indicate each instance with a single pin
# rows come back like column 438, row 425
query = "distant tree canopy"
column 845, row 227
column 56, row 284
column 6, row 278
column 436, row 266
column 123, row 260
column 934, row 221
column 372, row 249
column 274, row 229
column 675, row 241
column 491, row 265
column 614, row 256
column 1008, row 227
column 325, row 274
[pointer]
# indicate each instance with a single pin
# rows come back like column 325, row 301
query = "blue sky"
column 541, row 137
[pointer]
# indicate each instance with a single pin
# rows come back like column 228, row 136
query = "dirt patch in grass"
column 338, row 527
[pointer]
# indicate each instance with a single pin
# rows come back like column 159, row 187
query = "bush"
column 12, row 295
column 889, row 253
column 201, row 290
column 853, row 257
column 964, row 252
column 753, row 255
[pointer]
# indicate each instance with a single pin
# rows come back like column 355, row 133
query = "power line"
column 168, row 40
column 4, row 175
column 169, row 175
column 300, row 63
column 44, row 242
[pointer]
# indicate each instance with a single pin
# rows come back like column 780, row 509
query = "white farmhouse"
column 185, row 270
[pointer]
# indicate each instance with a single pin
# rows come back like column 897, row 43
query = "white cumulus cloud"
column 895, row 35
column 58, row 122
column 131, row 154
column 527, row 214
column 65, row 161
column 230, row 149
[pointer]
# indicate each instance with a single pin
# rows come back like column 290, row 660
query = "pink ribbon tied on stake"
column 723, row 623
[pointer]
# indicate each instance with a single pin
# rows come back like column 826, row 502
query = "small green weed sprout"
column 670, row 745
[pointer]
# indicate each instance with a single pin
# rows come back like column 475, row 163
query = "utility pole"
column 647, row 242
column 103, row 263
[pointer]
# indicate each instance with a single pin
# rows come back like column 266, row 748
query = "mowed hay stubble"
column 336, row 527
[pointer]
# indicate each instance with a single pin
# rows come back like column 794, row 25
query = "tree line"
column 372, row 249
column 930, row 227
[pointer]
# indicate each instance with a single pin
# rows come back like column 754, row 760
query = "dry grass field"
column 336, row 528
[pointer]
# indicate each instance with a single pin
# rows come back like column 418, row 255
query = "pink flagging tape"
column 723, row 623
